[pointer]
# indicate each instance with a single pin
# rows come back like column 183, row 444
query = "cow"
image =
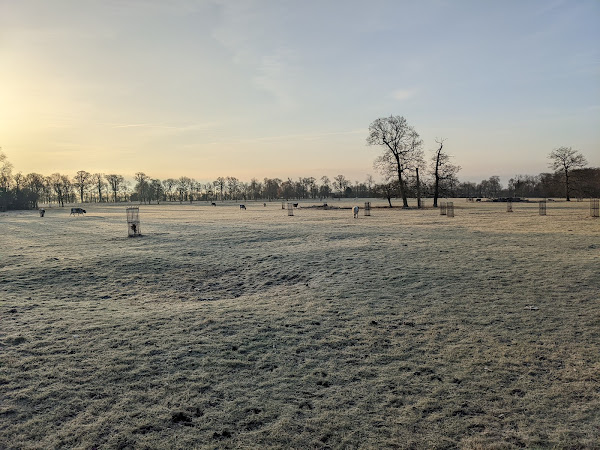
column 213, row 204
column 242, row 206
column 355, row 211
column 295, row 205
column 77, row 211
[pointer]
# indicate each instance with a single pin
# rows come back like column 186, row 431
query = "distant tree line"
column 399, row 166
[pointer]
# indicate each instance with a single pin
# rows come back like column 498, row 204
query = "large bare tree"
column 341, row 184
column 97, row 180
column 81, row 181
column 565, row 159
column 219, row 185
column 115, row 182
column 142, row 187
column 401, row 146
column 61, row 186
column 444, row 171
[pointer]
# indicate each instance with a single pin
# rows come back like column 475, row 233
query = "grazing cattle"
column 355, row 211
column 77, row 211
column 242, row 206
column 295, row 205
column 213, row 204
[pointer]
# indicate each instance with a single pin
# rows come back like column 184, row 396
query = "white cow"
column 355, row 211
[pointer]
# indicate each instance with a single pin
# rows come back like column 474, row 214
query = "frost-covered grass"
column 251, row 329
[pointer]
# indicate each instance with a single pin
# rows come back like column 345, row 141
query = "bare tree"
column 35, row 183
column 81, row 181
column 565, row 159
column 5, row 171
column 387, row 190
column 325, row 188
column 61, row 186
column 254, row 188
column 370, row 182
column 115, row 182
column 155, row 190
column 233, row 186
column 19, row 180
column 287, row 189
column 97, row 180
column 444, row 171
column 219, row 185
column 341, row 184
column 142, row 186
column 168, row 186
column 395, row 136
column 271, row 188
column 183, row 187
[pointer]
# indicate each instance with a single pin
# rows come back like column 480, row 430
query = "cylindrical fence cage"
column 282, row 205
column 443, row 208
column 450, row 209
column 509, row 206
column 133, row 222
column 543, row 208
column 367, row 208
column 594, row 207
column 290, row 208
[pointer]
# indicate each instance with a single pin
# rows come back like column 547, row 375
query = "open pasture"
column 229, row 328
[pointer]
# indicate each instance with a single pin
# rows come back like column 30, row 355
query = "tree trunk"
column 401, row 184
column 436, row 188
column 418, row 190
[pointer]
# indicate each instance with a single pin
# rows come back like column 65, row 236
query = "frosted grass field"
column 222, row 328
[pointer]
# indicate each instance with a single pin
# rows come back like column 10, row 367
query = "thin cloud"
column 191, row 127
column 404, row 94
column 287, row 137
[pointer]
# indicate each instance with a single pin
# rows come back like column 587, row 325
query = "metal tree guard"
column 133, row 222
column 594, row 207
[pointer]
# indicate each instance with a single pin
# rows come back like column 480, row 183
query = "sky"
column 278, row 88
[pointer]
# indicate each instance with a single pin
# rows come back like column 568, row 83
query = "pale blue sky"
column 289, row 88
